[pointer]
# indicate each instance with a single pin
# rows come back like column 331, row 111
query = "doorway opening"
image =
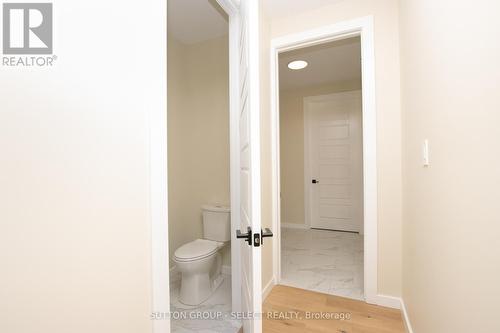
column 324, row 154
column 204, row 280
column 322, row 184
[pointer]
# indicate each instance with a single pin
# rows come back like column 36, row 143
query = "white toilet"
column 200, row 261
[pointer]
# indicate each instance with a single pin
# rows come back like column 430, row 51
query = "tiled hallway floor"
column 329, row 262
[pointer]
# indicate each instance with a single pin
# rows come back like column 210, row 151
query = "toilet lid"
column 196, row 249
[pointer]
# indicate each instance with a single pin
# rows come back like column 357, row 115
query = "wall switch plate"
column 425, row 153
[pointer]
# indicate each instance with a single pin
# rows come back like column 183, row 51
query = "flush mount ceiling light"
column 297, row 64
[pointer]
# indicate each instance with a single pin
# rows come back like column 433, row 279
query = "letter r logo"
column 27, row 28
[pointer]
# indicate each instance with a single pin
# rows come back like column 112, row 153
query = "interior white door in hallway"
column 249, row 163
column 334, row 161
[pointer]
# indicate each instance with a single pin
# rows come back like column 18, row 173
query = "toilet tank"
column 216, row 223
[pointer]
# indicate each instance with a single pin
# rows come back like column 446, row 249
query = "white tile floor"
column 217, row 306
column 325, row 261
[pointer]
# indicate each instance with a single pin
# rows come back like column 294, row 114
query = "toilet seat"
column 195, row 250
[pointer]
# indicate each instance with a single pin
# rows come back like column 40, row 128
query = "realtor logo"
column 27, row 28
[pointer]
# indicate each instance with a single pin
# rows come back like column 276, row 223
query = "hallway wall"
column 450, row 95
column 75, row 210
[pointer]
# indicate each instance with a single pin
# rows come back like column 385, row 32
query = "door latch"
column 247, row 236
column 258, row 239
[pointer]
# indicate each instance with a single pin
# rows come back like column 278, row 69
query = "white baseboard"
column 388, row 301
column 406, row 317
column 294, row 226
column 395, row 303
column 267, row 288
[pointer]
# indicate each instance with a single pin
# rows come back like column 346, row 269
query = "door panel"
column 249, row 151
column 335, row 161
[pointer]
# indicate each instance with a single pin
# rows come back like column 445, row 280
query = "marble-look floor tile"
column 217, row 308
column 325, row 261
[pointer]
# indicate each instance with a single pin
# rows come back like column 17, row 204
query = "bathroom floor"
column 325, row 261
column 212, row 316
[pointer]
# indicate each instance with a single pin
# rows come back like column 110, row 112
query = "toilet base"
column 196, row 289
column 200, row 279
column 217, row 282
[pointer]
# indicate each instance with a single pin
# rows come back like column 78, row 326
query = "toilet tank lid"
column 216, row 208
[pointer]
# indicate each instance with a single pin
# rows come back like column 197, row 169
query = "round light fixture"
column 297, row 64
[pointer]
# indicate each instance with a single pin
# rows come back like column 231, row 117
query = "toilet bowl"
column 200, row 261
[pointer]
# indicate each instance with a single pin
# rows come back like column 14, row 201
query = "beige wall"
column 385, row 13
column 450, row 86
column 75, row 240
column 198, row 135
column 265, row 128
column 292, row 146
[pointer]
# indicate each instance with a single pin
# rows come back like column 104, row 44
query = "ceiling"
column 193, row 21
column 329, row 63
column 281, row 8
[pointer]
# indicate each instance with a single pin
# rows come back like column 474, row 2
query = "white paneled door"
column 249, row 158
column 334, row 161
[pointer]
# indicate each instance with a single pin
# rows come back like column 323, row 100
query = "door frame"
column 231, row 7
column 307, row 161
column 158, row 188
column 362, row 27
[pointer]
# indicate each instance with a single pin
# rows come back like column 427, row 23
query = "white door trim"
column 362, row 27
column 231, row 8
column 160, row 277
column 307, row 171
column 160, row 289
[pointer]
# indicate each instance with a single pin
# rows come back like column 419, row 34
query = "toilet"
column 200, row 261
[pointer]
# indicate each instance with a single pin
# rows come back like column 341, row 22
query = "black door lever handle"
column 247, row 236
column 266, row 233
column 314, row 181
